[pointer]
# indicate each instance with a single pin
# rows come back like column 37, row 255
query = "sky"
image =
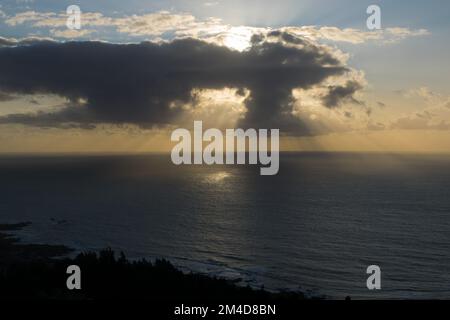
column 136, row 70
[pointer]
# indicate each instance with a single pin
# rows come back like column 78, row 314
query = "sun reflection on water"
column 217, row 177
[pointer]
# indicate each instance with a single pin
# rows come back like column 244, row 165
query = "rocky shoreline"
column 36, row 271
column 12, row 251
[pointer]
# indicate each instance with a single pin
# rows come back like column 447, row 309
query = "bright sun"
column 238, row 38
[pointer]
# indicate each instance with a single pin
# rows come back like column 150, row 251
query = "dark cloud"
column 141, row 83
column 377, row 126
column 339, row 94
column 67, row 118
column 425, row 114
column 399, row 92
column 4, row 96
column 6, row 42
column 12, row 42
column 420, row 122
column 34, row 101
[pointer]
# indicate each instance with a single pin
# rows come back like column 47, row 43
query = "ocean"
column 314, row 227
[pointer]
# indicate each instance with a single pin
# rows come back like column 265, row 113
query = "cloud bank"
column 147, row 84
column 158, row 24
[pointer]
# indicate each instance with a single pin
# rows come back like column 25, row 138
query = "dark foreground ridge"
column 39, row 272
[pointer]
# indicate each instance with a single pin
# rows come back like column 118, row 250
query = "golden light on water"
column 217, row 177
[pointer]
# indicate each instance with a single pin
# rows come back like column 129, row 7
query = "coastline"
column 38, row 271
column 12, row 251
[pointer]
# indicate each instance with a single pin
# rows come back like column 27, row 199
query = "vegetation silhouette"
column 36, row 272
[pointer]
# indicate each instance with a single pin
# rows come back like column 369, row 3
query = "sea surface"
column 314, row 227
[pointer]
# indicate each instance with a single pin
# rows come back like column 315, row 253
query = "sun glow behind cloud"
column 238, row 38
